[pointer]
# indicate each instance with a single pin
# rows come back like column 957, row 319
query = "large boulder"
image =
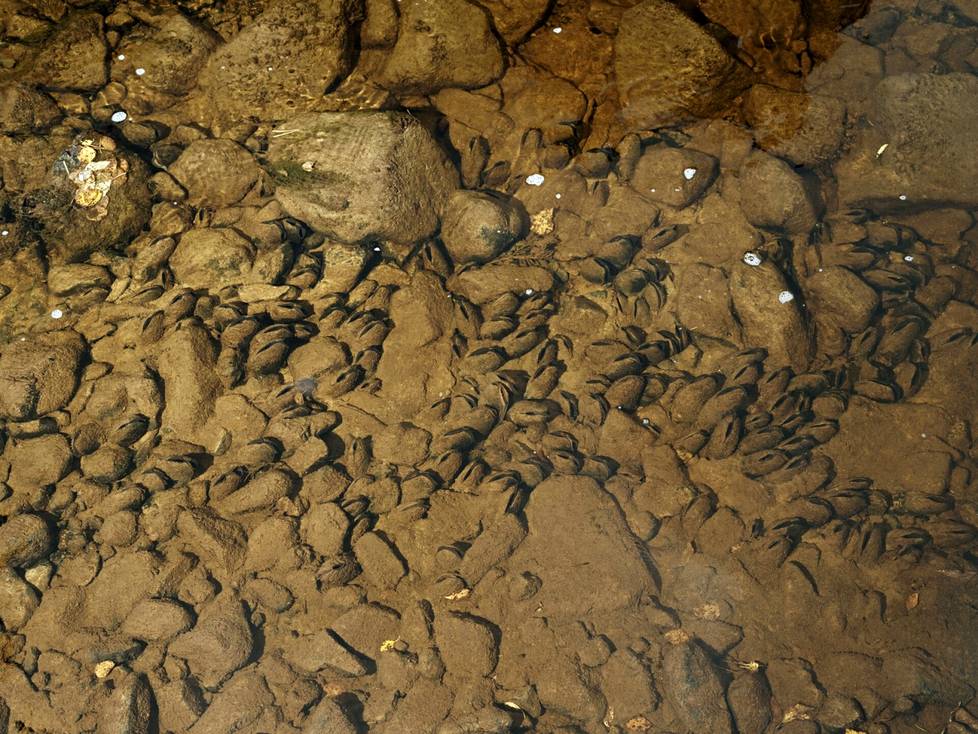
column 449, row 43
column 284, row 61
column 925, row 122
column 171, row 47
column 361, row 175
column 669, row 68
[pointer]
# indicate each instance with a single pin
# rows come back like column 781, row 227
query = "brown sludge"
column 473, row 367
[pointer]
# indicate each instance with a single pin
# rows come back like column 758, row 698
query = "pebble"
column 25, row 539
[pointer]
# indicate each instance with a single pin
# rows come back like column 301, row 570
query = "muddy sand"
column 479, row 367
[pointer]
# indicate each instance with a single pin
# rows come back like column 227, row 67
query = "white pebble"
column 308, row 165
column 119, row 116
column 103, row 668
column 556, row 196
column 528, row 291
column 57, row 313
column 908, row 258
column 903, row 197
column 786, row 297
column 535, row 179
column 652, row 190
column 121, row 57
column 4, row 233
column 269, row 68
column 376, row 249
column 688, row 173
column 752, row 259
column 558, row 29
column 140, row 71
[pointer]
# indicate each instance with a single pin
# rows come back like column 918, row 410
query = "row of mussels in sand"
column 565, row 367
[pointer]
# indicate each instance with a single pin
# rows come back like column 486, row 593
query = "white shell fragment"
column 752, row 259
column 57, row 313
column 535, row 179
column 786, row 297
column 140, row 71
column 119, row 116
column 688, row 173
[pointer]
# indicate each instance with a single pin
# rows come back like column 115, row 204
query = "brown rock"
column 39, row 462
column 468, row 645
column 479, row 225
column 157, row 619
column 241, row 701
column 703, row 301
column 212, row 258
column 186, row 365
column 287, row 58
column 580, row 543
column 18, row 600
column 806, row 129
column 769, row 315
column 444, row 44
column 312, row 653
column 219, row 644
column 172, row 47
column 324, row 528
column 40, row 375
column 380, row 561
column 924, row 118
column 215, row 173
column 73, row 57
column 260, row 493
column 514, row 20
column 671, row 176
column 349, row 190
column 220, row 541
column 669, row 68
column 124, row 580
column 179, row 703
column 25, row 539
column 692, row 684
column 483, row 284
column 775, row 197
column 65, row 280
column 129, row 709
column 328, row 718
column 840, row 297
column 24, row 109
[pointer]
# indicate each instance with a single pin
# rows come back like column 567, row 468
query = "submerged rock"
column 285, row 60
column 40, row 375
column 449, row 43
column 925, row 122
column 478, row 226
column 669, row 68
column 215, row 172
column 361, row 175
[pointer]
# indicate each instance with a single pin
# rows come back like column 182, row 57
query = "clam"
column 724, row 438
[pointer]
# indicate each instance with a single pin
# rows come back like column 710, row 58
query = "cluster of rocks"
column 469, row 367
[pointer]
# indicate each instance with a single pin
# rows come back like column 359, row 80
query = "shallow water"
column 437, row 366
